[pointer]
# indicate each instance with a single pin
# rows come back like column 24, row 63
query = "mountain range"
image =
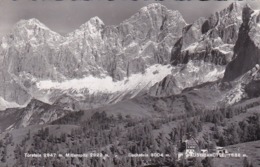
column 152, row 65
column 155, row 51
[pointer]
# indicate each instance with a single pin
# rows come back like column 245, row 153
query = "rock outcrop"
column 211, row 39
column 203, row 51
column 247, row 48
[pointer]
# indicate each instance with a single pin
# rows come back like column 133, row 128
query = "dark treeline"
column 118, row 135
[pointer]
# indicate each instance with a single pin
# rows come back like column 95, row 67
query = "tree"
column 221, row 142
column 207, row 162
column 4, row 154
column 1, row 143
column 246, row 162
column 198, row 163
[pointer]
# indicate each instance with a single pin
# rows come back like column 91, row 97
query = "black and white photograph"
column 129, row 83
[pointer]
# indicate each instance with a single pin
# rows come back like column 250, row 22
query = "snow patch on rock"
column 6, row 104
column 106, row 84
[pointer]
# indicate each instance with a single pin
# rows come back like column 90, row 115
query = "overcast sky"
column 67, row 15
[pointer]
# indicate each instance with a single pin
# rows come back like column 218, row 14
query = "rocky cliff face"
column 126, row 49
column 32, row 54
column 188, row 75
column 253, row 89
column 247, row 48
column 211, row 39
column 242, row 86
column 203, row 51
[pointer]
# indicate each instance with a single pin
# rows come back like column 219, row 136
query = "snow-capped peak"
column 92, row 26
column 30, row 31
column 27, row 29
column 235, row 8
column 31, row 23
column 155, row 12
column 93, row 22
column 96, row 20
column 152, row 6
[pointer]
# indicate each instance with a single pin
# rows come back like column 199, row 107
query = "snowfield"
column 152, row 75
